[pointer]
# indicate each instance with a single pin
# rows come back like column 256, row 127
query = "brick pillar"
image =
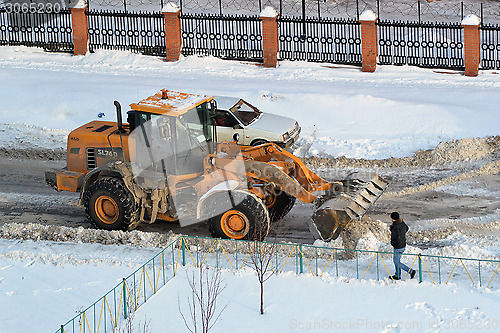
column 369, row 47
column 80, row 27
column 471, row 44
column 270, row 43
column 173, row 40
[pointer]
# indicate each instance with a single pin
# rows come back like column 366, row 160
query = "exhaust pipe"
column 119, row 116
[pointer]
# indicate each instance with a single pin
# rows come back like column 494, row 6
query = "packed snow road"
column 435, row 202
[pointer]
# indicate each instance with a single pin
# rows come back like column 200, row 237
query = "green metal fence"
column 112, row 309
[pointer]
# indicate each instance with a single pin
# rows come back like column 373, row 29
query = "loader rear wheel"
column 109, row 205
column 247, row 220
column 279, row 204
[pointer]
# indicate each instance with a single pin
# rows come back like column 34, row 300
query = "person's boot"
column 412, row 274
column 394, row 277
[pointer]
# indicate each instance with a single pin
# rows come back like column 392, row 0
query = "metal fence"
column 490, row 46
column 320, row 40
column 421, row 44
column 136, row 32
column 223, row 36
column 51, row 31
column 110, row 311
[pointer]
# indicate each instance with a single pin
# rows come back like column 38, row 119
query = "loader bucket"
column 334, row 214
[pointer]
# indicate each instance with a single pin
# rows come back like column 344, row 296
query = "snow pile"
column 24, row 136
column 364, row 235
column 457, row 151
column 39, row 232
column 391, row 113
column 456, row 244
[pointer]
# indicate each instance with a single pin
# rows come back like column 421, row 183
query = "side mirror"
column 236, row 137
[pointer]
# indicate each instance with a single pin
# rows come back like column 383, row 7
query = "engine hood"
column 273, row 123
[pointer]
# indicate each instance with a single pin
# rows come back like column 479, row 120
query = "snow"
column 471, row 19
column 44, row 284
column 342, row 111
column 269, row 12
column 170, row 7
column 67, row 277
column 392, row 112
column 79, row 4
column 368, row 15
column 303, row 303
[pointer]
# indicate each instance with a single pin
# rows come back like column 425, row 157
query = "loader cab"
column 176, row 143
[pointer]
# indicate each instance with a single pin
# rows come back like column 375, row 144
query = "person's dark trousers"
column 397, row 262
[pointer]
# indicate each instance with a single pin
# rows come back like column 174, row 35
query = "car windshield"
column 245, row 112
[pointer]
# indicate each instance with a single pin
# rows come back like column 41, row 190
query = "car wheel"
column 259, row 142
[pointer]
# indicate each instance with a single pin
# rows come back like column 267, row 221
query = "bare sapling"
column 206, row 287
column 261, row 255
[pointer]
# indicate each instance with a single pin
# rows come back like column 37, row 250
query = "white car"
column 253, row 126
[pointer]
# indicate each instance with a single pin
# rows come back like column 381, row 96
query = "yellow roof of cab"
column 168, row 102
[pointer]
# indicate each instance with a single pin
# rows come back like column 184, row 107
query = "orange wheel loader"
column 164, row 164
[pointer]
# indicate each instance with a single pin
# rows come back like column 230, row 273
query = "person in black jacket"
column 398, row 241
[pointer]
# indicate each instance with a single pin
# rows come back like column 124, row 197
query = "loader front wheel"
column 279, row 204
column 109, row 205
column 247, row 220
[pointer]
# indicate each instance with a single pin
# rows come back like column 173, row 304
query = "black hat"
column 395, row 215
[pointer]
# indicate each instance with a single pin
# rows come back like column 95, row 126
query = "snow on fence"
column 119, row 303
column 51, row 31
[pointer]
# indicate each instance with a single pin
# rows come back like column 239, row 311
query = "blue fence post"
column 183, row 245
column 301, row 259
column 357, row 266
column 236, row 255
column 316, row 270
column 62, row 328
column 419, row 269
column 173, row 259
column 479, row 271
column 124, row 299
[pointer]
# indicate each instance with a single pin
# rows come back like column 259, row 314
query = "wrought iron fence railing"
column 490, row 46
column 223, row 36
column 136, row 32
column 320, row 40
column 51, row 31
column 107, row 313
column 433, row 45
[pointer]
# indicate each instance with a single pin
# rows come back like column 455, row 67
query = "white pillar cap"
column 471, row 20
column 368, row 15
column 269, row 12
column 170, row 7
column 78, row 4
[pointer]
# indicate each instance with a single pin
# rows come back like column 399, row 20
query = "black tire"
column 251, row 216
column 109, row 205
column 259, row 142
column 279, row 205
